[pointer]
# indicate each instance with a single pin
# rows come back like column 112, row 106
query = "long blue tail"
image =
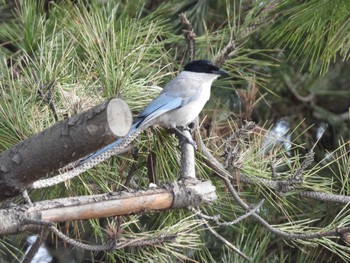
column 109, row 146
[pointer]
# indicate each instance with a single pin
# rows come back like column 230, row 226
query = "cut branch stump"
column 61, row 144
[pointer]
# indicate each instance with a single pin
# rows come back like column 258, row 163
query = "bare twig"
column 146, row 241
column 323, row 114
column 151, row 167
column 189, row 35
column 133, row 168
column 286, row 235
column 226, row 177
column 227, row 243
column 104, row 247
column 291, row 86
column 217, row 167
column 47, row 97
column 229, row 223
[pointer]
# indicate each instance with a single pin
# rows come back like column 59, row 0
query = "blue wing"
column 160, row 105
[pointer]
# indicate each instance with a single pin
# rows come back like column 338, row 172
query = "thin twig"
column 227, row 243
column 286, row 235
column 151, row 167
column 226, row 177
column 146, row 241
column 104, row 247
column 229, row 223
column 305, row 99
column 48, row 97
column 188, row 34
column 133, row 168
column 276, row 231
column 217, row 167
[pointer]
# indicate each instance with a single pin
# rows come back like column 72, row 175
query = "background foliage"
column 289, row 62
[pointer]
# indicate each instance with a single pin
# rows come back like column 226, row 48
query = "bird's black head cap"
column 204, row 66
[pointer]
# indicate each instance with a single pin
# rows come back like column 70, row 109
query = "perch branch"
column 177, row 195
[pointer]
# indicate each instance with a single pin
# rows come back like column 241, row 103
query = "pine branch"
column 226, row 177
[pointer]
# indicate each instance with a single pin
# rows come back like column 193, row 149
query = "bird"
column 178, row 104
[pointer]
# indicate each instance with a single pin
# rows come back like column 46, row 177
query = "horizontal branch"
column 274, row 185
column 177, row 195
column 61, row 144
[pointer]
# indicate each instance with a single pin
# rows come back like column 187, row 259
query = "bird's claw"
column 190, row 141
column 183, row 138
column 191, row 127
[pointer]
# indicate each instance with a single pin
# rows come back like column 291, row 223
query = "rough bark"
column 187, row 158
column 59, row 145
column 177, row 195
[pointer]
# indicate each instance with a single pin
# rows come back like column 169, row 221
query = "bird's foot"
column 191, row 127
column 183, row 138
column 190, row 141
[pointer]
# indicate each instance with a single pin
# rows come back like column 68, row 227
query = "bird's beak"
column 221, row 72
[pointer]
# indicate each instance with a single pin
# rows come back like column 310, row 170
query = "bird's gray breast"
column 193, row 93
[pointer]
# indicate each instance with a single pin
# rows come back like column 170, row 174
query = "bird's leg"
column 191, row 127
column 183, row 138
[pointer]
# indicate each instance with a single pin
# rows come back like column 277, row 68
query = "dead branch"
column 177, row 195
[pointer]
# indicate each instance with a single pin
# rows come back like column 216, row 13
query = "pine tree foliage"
column 58, row 58
column 316, row 31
